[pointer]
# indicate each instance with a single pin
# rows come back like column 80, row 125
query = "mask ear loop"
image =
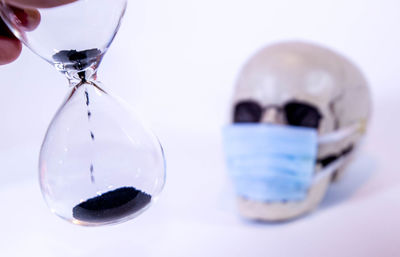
column 342, row 133
column 335, row 137
column 329, row 170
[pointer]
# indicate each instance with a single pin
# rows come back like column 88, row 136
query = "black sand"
column 112, row 205
column 78, row 60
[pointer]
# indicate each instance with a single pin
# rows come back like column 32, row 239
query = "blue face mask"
column 273, row 163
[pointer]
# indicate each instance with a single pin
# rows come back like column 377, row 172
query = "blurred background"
column 175, row 62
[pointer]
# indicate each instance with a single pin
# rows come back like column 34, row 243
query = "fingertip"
column 33, row 19
column 10, row 49
column 28, row 19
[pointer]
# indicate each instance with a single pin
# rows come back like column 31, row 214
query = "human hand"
column 25, row 10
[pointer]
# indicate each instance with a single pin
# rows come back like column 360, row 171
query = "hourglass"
column 98, row 164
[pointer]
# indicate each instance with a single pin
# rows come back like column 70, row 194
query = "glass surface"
column 98, row 164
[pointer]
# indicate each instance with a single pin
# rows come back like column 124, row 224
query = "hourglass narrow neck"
column 80, row 77
column 78, row 65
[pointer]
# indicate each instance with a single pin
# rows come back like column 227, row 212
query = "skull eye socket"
column 302, row 114
column 247, row 111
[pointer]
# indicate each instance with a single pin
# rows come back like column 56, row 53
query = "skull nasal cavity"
column 302, row 114
column 247, row 111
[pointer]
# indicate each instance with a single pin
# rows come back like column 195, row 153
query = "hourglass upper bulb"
column 73, row 34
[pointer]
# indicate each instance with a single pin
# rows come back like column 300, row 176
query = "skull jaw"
column 274, row 212
column 340, row 173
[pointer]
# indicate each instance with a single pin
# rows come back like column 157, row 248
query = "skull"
column 301, row 84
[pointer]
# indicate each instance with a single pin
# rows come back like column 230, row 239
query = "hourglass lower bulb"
column 98, row 165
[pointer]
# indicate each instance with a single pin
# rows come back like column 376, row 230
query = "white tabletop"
column 175, row 62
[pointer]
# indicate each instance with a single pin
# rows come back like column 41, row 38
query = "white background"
column 175, row 62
